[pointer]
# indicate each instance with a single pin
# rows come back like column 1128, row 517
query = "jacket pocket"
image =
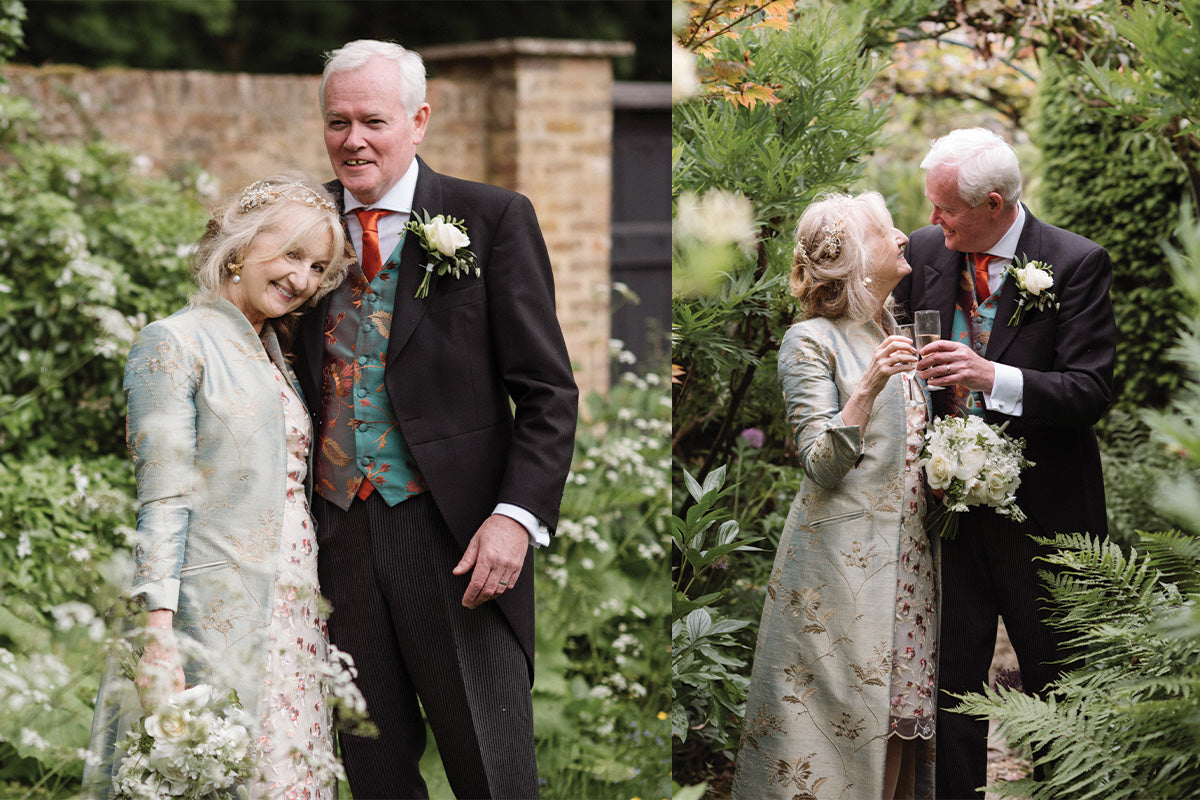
column 208, row 566
column 820, row 523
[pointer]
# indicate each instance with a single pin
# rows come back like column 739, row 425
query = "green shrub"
column 1122, row 189
column 603, row 652
column 93, row 252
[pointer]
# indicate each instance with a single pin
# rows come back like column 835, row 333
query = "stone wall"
column 532, row 115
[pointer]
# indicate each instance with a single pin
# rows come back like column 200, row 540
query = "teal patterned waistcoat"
column 359, row 435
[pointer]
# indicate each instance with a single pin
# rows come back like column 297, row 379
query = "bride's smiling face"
column 273, row 283
column 886, row 243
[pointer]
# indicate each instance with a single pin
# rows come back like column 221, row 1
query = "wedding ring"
column 504, row 583
column 947, row 366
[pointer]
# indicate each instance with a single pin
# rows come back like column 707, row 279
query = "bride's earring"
column 235, row 268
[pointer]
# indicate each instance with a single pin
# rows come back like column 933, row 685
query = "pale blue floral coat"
column 818, row 704
column 207, row 436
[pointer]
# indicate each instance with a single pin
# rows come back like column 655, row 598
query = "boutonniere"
column 445, row 242
column 1034, row 279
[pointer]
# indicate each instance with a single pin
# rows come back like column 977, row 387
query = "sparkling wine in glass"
column 928, row 325
column 909, row 332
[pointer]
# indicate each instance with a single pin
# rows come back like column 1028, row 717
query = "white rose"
column 938, row 471
column 971, row 460
column 975, row 492
column 997, row 487
column 196, row 697
column 445, row 237
column 1035, row 280
column 169, row 725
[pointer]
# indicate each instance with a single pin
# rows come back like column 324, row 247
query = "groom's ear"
column 420, row 123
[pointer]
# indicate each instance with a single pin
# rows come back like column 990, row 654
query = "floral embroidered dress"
column 851, row 576
column 914, row 648
column 296, row 737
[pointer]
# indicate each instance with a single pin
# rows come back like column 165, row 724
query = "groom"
column 444, row 432
column 1047, row 372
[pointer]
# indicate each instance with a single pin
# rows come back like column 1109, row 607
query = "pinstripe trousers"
column 988, row 571
column 397, row 609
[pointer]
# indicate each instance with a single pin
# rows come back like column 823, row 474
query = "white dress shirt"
column 1008, row 390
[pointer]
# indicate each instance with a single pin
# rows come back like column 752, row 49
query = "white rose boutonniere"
column 445, row 242
column 1034, row 280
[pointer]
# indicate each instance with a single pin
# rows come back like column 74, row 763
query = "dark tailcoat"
column 477, row 371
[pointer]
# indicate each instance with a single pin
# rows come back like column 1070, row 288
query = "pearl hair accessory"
column 264, row 192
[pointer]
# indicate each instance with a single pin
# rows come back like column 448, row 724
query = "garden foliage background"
column 93, row 250
column 778, row 102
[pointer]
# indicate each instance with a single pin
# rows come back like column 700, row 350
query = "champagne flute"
column 910, row 332
column 928, row 325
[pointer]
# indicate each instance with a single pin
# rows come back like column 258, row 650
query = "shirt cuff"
column 539, row 534
column 1008, row 391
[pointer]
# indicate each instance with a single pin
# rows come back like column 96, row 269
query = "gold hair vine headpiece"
column 827, row 248
column 264, row 192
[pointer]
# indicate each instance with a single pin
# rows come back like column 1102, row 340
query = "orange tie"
column 371, row 262
column 370, row 259
column 982, row 292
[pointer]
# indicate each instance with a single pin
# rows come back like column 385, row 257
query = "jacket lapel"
column 409, row 311
column 1029, row 246
column 941, row 289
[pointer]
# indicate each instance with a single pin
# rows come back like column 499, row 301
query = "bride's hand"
column 159, row 674
column 894, row 355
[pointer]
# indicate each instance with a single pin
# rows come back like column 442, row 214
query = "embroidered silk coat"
column 818, row 703
column 207, row 436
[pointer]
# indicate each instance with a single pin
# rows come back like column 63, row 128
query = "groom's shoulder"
column 924, row 239
column 477, row 191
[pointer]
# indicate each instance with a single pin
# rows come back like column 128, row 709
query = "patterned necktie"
column 982, row 292
column 370, row 258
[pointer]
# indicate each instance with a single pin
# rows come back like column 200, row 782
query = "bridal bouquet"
column 973, row 464
column 196, row 746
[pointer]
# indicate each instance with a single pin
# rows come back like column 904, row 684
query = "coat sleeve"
column 828, row 447
column 161, row 376
column 533, row 363
column 1074, row 386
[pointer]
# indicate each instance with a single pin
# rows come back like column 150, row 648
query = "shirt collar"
column 1007, row 246
column 398, row 198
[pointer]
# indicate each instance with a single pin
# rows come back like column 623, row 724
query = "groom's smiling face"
column 369, row 135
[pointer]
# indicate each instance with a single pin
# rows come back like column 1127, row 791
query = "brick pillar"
column 536, row 116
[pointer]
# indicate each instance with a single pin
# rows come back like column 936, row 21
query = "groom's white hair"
column 986, row 163
column 409, row 68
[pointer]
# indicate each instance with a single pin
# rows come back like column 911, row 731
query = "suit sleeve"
column 1075, row 386
column 533, row 363
column 828, row 447
column 160, row 385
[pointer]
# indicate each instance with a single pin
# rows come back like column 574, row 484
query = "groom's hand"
column 944, row 363
column 494, row 558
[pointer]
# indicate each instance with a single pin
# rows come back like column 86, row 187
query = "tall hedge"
column 1121, row 188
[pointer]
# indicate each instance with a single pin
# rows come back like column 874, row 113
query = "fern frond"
column 1176, row 555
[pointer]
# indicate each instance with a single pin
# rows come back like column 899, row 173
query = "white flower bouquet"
column 971, row 463
column 195, row 746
